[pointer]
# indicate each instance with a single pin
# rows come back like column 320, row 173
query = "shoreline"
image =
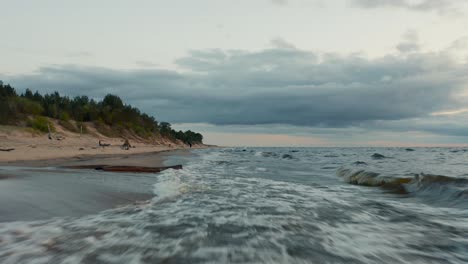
column 34, row 185
column 23, row 147
column 30, row 190
column 132, row 159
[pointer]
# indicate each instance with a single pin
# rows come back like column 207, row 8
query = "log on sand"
column 8, row 149
column 125, row 168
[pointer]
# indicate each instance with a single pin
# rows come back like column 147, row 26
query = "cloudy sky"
column 256, row 72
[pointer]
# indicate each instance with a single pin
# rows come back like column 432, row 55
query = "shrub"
column 68, row 126
column 140, row 131
column 64, row 116
column 106, row 130
column 81, row 127
column 40, row 123
column 26, row 106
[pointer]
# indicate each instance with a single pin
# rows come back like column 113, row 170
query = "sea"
column 272, row 205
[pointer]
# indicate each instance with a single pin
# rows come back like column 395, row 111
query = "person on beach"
column 126, row 145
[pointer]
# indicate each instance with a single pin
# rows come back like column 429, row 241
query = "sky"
column 256, row 72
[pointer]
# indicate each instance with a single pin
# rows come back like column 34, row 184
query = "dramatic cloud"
column 441, row 6
column 281, row 85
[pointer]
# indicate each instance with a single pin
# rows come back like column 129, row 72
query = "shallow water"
column 273, row 205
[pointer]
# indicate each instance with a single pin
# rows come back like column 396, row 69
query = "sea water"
column 273, row 205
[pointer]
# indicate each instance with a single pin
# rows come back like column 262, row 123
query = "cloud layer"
column 441, row 6
column 281, row 85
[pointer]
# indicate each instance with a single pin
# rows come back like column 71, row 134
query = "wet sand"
column 41, row 189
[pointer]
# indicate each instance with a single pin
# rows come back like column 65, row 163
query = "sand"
column 41, row 192
column 33, row 147
column 34, row 186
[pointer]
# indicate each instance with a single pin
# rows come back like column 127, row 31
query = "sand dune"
column 30, row 146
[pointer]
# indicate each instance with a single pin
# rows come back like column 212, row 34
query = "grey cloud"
column 81, row 54
column 410, row 42
column 279, row 2
column 406, row 47
column 441, row 6
column 281, row 44
column 146, row 64
column 273, row 86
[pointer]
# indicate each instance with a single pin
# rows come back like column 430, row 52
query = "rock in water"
column 378, row 156
column 360, row 163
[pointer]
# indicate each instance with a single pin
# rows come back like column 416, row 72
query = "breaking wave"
column 260, row 206
column 435, row 187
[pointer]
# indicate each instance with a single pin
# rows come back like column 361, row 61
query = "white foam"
column 169, row 185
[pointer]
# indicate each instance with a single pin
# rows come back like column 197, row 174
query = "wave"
column 378, row 156
column 268, row 154
column 170, row 185
column 437, row 187
column 373, row 179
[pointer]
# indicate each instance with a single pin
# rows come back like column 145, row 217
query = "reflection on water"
column 273, row 206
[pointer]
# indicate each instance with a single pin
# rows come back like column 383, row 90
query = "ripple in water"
column 231, row 206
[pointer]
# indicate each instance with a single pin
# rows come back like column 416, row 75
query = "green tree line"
column 111, row 113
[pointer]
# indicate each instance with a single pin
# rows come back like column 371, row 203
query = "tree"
column 112, row 101
column 111, row 111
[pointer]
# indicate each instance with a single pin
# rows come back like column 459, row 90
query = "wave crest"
column 435, row 186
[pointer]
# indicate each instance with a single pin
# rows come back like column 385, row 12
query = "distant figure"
column 190, row 144
column 126, row 145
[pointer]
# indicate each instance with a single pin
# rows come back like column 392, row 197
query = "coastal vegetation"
column 110, row 116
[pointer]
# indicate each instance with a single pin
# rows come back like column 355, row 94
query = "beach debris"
column 7, row 149
column 139, row 169
column 126, row 145
column 50, row 134
column 409, row 149
column 81, row 149
column 101, row 144
column 378, row 156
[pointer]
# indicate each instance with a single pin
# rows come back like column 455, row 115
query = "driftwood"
column 8, row 149
column 125, row 168
column 103, row 144
column 50, row 134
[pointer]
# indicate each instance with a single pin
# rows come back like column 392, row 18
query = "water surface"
column 273, row 205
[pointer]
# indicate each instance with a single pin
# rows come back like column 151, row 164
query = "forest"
column 110, row 116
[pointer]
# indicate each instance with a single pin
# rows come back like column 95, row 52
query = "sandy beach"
column 34, row 184
column 28, row 146
column 42, row 189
